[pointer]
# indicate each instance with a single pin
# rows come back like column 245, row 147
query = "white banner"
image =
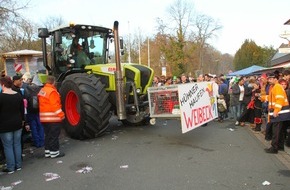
column 198, row 104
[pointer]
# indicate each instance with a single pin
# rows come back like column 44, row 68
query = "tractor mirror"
column 43, row 32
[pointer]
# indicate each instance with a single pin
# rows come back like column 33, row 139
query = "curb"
column 283, row 156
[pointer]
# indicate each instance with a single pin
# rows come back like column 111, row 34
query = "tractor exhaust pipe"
column 120, row 98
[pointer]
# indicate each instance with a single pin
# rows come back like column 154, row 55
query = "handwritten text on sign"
column 197, row 104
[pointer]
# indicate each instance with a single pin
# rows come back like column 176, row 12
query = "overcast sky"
column 258, row 20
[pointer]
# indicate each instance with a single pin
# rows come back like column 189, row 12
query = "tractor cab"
column 73, row 47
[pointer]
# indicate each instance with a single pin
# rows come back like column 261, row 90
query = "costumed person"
column 253, row 111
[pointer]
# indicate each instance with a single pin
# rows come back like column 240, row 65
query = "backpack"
column 221, row 107
column 32, row 98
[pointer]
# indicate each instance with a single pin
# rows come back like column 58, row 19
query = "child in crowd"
column 222, row 108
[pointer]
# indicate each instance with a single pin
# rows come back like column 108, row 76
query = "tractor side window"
column 96, row 49
column 62, row 58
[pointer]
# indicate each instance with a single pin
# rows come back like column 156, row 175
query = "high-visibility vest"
column 50, row 105
column 278, row 103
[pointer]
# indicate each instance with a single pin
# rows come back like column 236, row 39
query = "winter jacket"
column 11, row 112
column 50, row 105
column 277, row 103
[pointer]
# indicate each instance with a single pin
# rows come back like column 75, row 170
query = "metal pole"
column 148, row 52
column 129, row 46
column 139, row 47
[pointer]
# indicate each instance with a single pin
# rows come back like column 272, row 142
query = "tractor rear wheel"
column 86, row 106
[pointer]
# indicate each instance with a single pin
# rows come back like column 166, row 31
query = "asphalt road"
column 219, row 157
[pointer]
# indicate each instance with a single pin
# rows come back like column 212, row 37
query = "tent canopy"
column 280, row 68
column 246, row 71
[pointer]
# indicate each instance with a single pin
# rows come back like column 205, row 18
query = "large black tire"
column 86, row 105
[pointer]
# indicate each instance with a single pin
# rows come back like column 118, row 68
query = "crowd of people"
column 35, row 117
column 37, row 111
column 250, row 99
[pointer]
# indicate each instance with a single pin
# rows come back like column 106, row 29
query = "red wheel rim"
column 72, row 108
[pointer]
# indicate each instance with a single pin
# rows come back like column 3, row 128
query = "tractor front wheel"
column 86, row 106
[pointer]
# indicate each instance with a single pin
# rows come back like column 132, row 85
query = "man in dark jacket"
column 224, row 90
column 33, row 120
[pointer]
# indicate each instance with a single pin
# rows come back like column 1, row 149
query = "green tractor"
column 91, row 88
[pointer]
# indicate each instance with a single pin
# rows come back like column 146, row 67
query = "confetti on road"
column 6, row 188
column 124, row 166
column 51, row 176
column 85, row 170
column 266, row 183
column 16, row 183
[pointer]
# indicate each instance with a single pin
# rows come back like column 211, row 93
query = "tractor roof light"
column 71, row 24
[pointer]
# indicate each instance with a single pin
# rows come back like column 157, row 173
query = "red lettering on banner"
column 198, row 116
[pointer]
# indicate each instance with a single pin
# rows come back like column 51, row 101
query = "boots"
column 257, row 128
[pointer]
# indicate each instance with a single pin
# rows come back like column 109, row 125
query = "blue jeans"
column 36, row 128
column 236, row 109
column 12, row 149
column 243, row 107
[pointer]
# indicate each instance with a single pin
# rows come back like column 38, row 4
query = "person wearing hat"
column 26, row 80
column 17, row 83
column 278, row 112
column 17, row 86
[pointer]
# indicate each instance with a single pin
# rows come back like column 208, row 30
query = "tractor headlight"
column 138, row 90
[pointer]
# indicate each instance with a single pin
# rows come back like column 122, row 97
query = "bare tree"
column 19, row 35
column 9, row 11
column 53, row 21
column 15, row 30
column 22, row 34
column 180, row 19
column 180, row 13
column 205, row 29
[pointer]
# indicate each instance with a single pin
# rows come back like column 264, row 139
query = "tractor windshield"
column 82, row 48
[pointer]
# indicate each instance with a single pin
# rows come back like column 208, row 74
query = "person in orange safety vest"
column 278, row 112
column 51, row 117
